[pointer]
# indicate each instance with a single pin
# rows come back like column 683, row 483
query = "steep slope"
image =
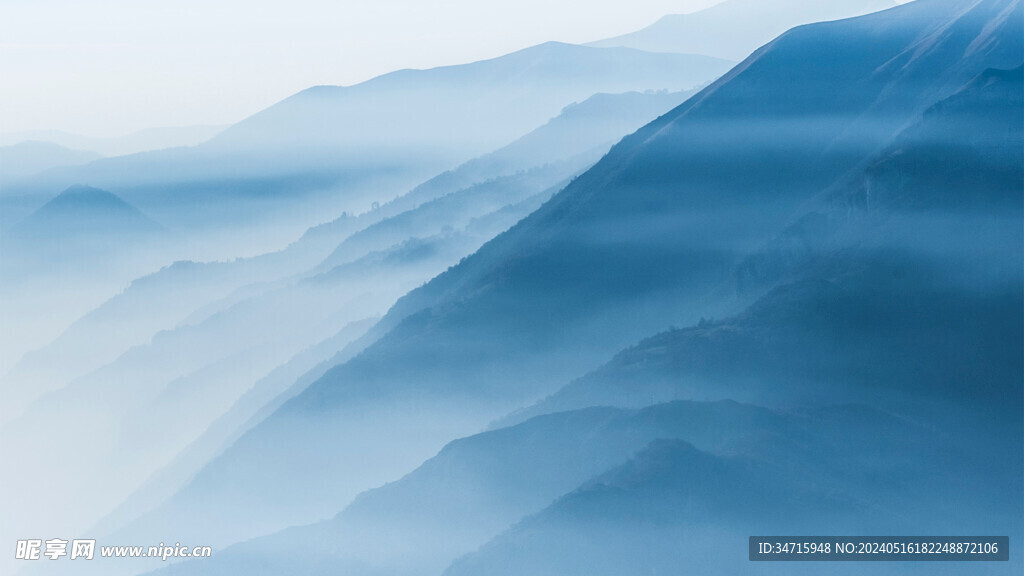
column 642, row 240
column 919, row 254
column 909, row 298
column 735, row 28
column 664, row 217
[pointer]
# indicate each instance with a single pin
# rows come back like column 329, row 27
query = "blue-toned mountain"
column 650, row 236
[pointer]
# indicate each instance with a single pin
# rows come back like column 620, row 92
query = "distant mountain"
column 144, row 140
column 572, row 140
column 735, row 28
column 227, row 204
column 31, row 156
column 331, row 149
column 80, row 227
column 127, row 319
column 454, row 211
column 650, row 236
column 272, row 311
column 469, row 108
column 83, row 211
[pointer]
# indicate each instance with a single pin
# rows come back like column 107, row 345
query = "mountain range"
column 241, row 339
column 654, row 234
column 787, row 302
column 620, row 471
column 331, row 149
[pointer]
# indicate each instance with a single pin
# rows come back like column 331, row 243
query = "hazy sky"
column 109, row 67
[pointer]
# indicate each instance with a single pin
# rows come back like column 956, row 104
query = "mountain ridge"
column 647, row 235
column 734, row 28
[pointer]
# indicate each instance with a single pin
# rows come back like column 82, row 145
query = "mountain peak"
column 80, row 192
column 85, row 210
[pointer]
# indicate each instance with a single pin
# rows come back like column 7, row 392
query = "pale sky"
column 110, row 67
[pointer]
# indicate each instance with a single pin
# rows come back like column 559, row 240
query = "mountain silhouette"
column 471, row 107
column 646, row 238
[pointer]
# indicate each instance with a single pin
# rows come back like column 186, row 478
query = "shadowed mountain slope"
column 646, row 238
